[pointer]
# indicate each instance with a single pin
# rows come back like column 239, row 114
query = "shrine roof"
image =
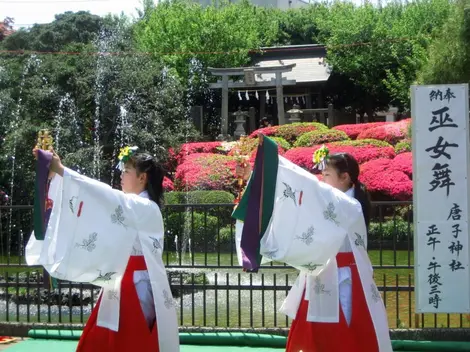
column 310, row 65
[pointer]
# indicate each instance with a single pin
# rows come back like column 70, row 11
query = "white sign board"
column 440, row 197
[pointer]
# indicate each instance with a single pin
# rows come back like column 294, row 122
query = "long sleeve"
column 91, row 230
column 310, row 220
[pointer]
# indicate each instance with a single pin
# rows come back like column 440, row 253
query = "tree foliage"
column 179, row 31
column 449, row 54
column 93, row 103
column 374, row 52
column 377, row 51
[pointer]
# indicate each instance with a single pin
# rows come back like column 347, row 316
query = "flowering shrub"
column 403, row 146
column 267, row 131
column 291, row 131
column 353, row 130
column 294, row 130
column 391, row 132
column 302, row 156
column 403, row 162
column 244, row 147
column 310, row 139
column 203, row 171
column 226, row 147
column 168, row 185
column 250, row 147
column 384, row 181
column 177, row 157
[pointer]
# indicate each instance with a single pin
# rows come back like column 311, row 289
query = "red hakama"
column 134, row 333
column 359, row 336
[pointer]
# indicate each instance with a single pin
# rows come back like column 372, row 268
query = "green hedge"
column 203, row 224
column 313, row 138
column 282, row 142
column 201, row 228
column 403, row 146
column 397, row 230
column 199, row 197
column 362, row 143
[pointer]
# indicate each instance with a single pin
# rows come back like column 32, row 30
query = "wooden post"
column 331, row 116
column 262, row 106
column 224, row 127
column 280, row 99
column 308, row 99
column 251, row 125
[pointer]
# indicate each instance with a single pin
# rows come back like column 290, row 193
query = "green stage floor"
column 66, row 341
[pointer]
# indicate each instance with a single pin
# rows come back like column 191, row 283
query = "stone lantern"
column 294, row 114
column 240, row 119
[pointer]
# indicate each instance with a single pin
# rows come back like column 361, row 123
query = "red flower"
column 291, row 131
column 303, row 156
column 186, row 149
column 384, row 181
column 391, row 133
column 403, row 162
column 168, row 184
column 267, row 131
column 353, row 130
column 204, row 171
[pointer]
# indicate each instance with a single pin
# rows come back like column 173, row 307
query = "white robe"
column 307, row 234
column 92, row 231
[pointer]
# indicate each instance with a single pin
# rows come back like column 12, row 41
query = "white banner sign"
column 440, row 197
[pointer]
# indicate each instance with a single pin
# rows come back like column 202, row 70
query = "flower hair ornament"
column 320, row 158
column 124, row 155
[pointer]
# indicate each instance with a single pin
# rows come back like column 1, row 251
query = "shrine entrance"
column 250, row 82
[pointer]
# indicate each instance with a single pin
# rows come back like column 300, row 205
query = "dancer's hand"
column 243, row 172
column 56, row 164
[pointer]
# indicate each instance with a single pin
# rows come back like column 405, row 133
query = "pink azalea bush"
column 385, row 181
column 302, row 156
column 177, row 157
column 403, row 162
column 391, row 132
column 168, row 185
column 251, row 146
column 382, row 150
column 291, row 131
column 205, row 171
column 353, row 130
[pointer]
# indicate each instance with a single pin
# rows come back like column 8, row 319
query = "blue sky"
column 28, row 12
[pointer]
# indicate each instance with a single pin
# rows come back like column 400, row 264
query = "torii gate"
column 249, row 74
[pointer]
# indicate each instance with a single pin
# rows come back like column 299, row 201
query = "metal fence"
column 208, row 285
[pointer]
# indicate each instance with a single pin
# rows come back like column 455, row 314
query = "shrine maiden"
column 288, row 215
column 112, row 239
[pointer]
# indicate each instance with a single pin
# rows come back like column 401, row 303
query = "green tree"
column 377, row 51
column 449, row 54
column 300, row 26
column 179, row 32
column 92, row 101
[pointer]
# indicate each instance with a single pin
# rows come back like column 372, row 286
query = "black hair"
column 146, row 163
column 263, row 120
column 344, row 162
